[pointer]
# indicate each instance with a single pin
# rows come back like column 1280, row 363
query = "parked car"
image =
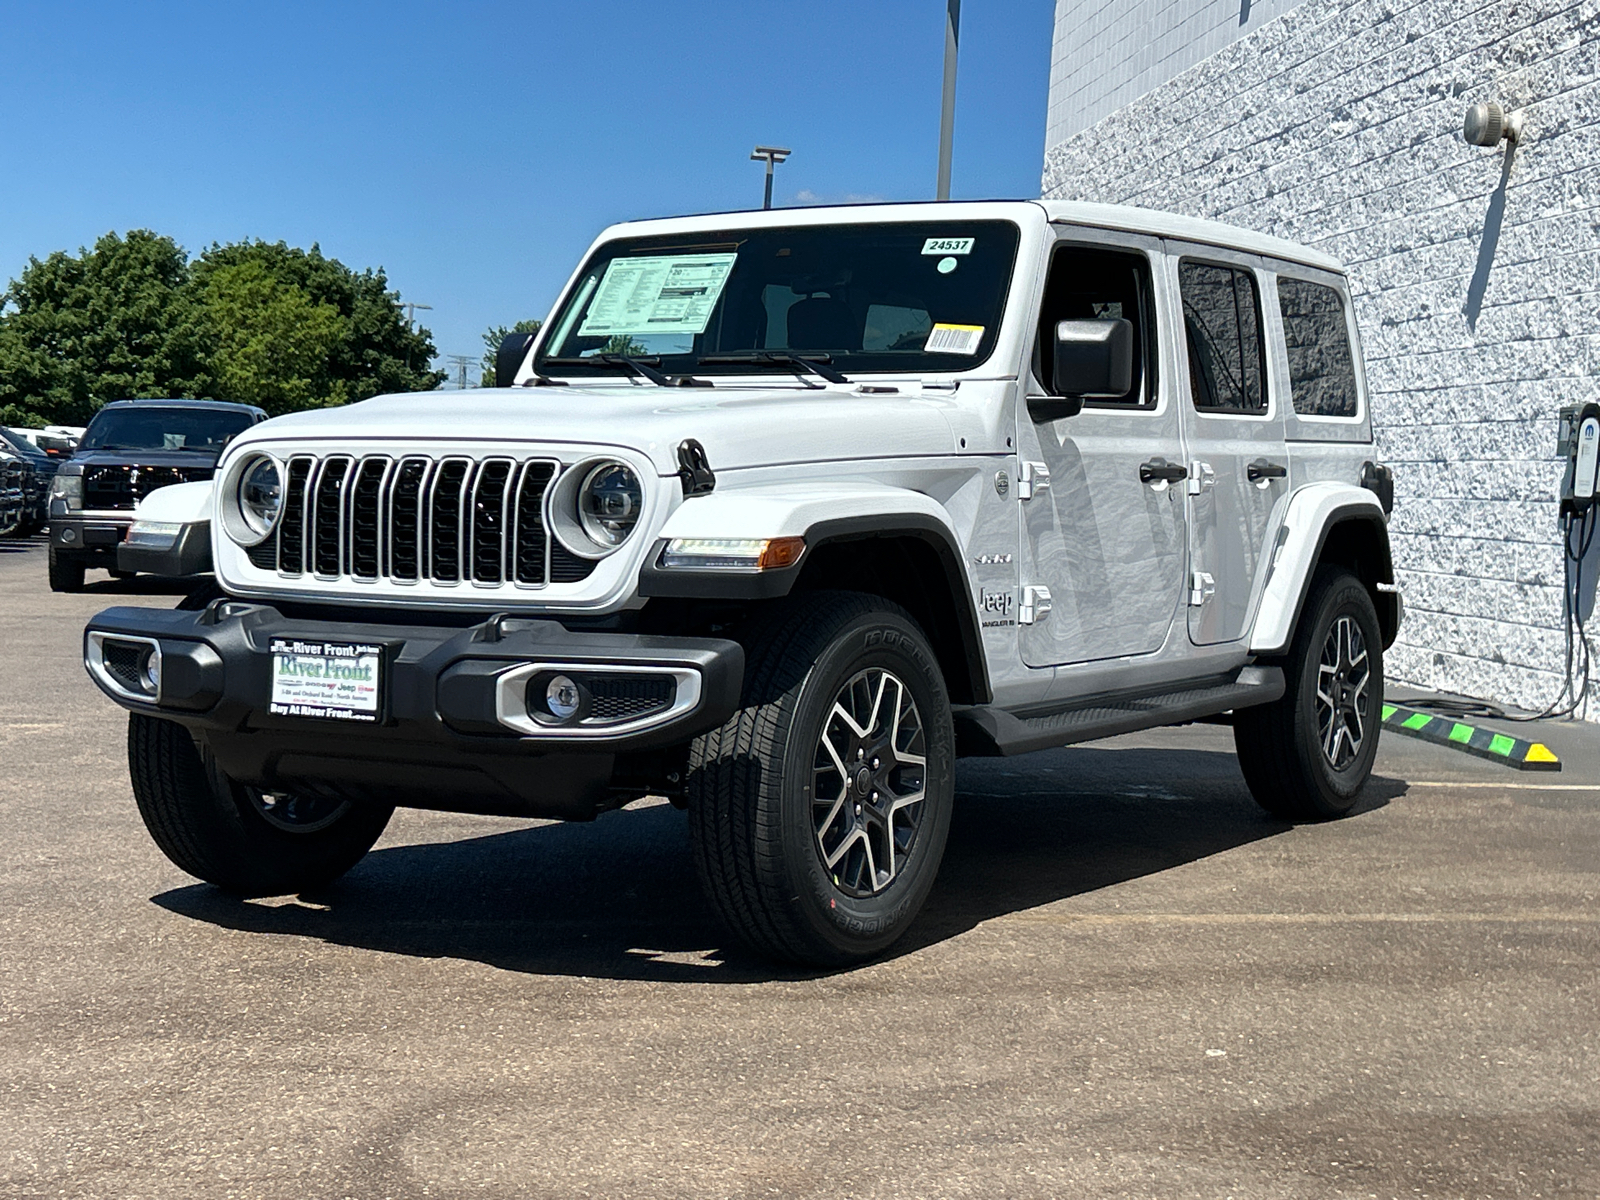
column 17, row 481
column 58, row 441
column 36, row 502
column 131, row 448
column 778, row 515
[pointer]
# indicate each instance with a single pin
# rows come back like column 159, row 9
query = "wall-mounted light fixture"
column 1489, row 125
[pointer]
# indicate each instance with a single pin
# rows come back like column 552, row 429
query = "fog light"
column 562, row 698
column 69, row 534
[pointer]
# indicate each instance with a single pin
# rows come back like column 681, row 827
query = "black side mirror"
column 508, row 359
column 1093, row 360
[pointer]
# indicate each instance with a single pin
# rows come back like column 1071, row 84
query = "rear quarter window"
column 1316, row 333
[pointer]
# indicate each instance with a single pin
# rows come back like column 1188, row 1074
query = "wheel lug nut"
column 875, row 764
column 858, row 810
column 874, row 797
column 860, row 754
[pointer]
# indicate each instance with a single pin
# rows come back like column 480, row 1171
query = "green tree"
column 104, row 324
column 493, row 336
column 350, row 317
column 271, row 344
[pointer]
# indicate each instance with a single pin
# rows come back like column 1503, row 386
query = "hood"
column 740, row 426
column 197, row 460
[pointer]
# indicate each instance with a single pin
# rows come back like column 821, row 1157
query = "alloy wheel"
column 296, row 812
column 869, row 780
column 1343, row 675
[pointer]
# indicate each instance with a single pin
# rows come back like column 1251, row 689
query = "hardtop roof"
column 1121, row 217
column 179, row 402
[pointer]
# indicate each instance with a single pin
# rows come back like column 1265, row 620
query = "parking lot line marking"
column 1457, row 735
column 1471, row 918
column 1504, row 787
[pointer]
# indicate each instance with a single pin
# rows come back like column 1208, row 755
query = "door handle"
column 1262, row 469
column 1160, row 470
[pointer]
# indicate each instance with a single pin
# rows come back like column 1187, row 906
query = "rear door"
column 1238, row 480
column 1102, row 537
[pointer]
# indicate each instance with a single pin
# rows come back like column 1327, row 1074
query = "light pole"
column 771, row 155
column 947, row 110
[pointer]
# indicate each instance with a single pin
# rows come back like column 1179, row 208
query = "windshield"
column 915, row 296
column 20, row 444
column 160, row 427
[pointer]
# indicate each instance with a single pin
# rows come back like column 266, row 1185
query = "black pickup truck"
column 131, row 448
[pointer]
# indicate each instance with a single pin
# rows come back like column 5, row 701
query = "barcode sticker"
column 949, row 245
column 953, row 339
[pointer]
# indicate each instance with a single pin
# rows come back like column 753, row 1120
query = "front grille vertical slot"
column 406, row 523
column 327, row 532
column 530, row 539
column 488, row 524
column 446, row 513
column 366, row 510
column 292, row 525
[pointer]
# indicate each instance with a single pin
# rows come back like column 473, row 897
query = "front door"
column 1238, row 480
column 1102, row 521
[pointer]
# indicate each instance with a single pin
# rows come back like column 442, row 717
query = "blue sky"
column 473, row 149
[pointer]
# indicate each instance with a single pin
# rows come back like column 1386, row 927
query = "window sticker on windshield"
column 953, row 339
column 664, row 294
column 948, row 245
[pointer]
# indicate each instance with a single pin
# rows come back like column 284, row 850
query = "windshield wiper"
column 817, row 364
column 645, row 368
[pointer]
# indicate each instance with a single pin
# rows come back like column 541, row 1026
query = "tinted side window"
column 1222, row 321
column 1088, row 284
column 1322, row 371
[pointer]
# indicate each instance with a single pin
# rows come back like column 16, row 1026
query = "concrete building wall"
column 1476, row 276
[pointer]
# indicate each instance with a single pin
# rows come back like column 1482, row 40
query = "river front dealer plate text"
column 338, row 680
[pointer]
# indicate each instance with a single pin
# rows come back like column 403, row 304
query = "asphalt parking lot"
column 1129, row 982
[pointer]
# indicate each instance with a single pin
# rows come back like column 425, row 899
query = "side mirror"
column 1093, row 360
column 509, row 358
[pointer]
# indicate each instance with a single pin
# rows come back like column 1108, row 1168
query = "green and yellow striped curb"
column 1485, row 743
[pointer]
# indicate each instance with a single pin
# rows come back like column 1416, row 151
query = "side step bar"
column 985, row 731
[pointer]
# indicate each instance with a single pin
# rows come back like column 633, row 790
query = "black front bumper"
column 92, row 540
column 440, row 738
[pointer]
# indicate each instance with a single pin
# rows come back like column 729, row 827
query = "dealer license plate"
column 341, row 681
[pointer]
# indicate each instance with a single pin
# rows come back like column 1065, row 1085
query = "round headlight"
column 261, row 496
column 608, row 504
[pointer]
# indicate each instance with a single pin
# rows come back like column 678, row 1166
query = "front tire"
column 1307, row 756
column 819, row 812
column 243, row 840
column 66, row 571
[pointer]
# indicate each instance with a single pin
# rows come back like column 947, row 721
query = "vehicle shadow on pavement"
column 144, row 585
column 617, row 898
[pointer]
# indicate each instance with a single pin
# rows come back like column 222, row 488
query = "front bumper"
column 452, row 731
column 93, row 538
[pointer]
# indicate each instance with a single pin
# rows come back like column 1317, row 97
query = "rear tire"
column 1307, row 756
column 66, row 571
column 239, row 838
column 819, row 812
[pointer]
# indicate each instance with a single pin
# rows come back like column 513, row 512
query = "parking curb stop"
column 1519, row 753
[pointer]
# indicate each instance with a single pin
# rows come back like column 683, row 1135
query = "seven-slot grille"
column 412, row 519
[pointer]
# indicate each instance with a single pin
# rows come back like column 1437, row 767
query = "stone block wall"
column 1109, row 52
column 1476, row 274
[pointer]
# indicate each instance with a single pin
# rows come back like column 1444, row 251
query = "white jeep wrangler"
column 777, row 516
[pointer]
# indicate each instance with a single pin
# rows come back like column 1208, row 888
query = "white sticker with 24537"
column 948, row 245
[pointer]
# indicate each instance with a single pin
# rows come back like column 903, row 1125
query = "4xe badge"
column 994, row 608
